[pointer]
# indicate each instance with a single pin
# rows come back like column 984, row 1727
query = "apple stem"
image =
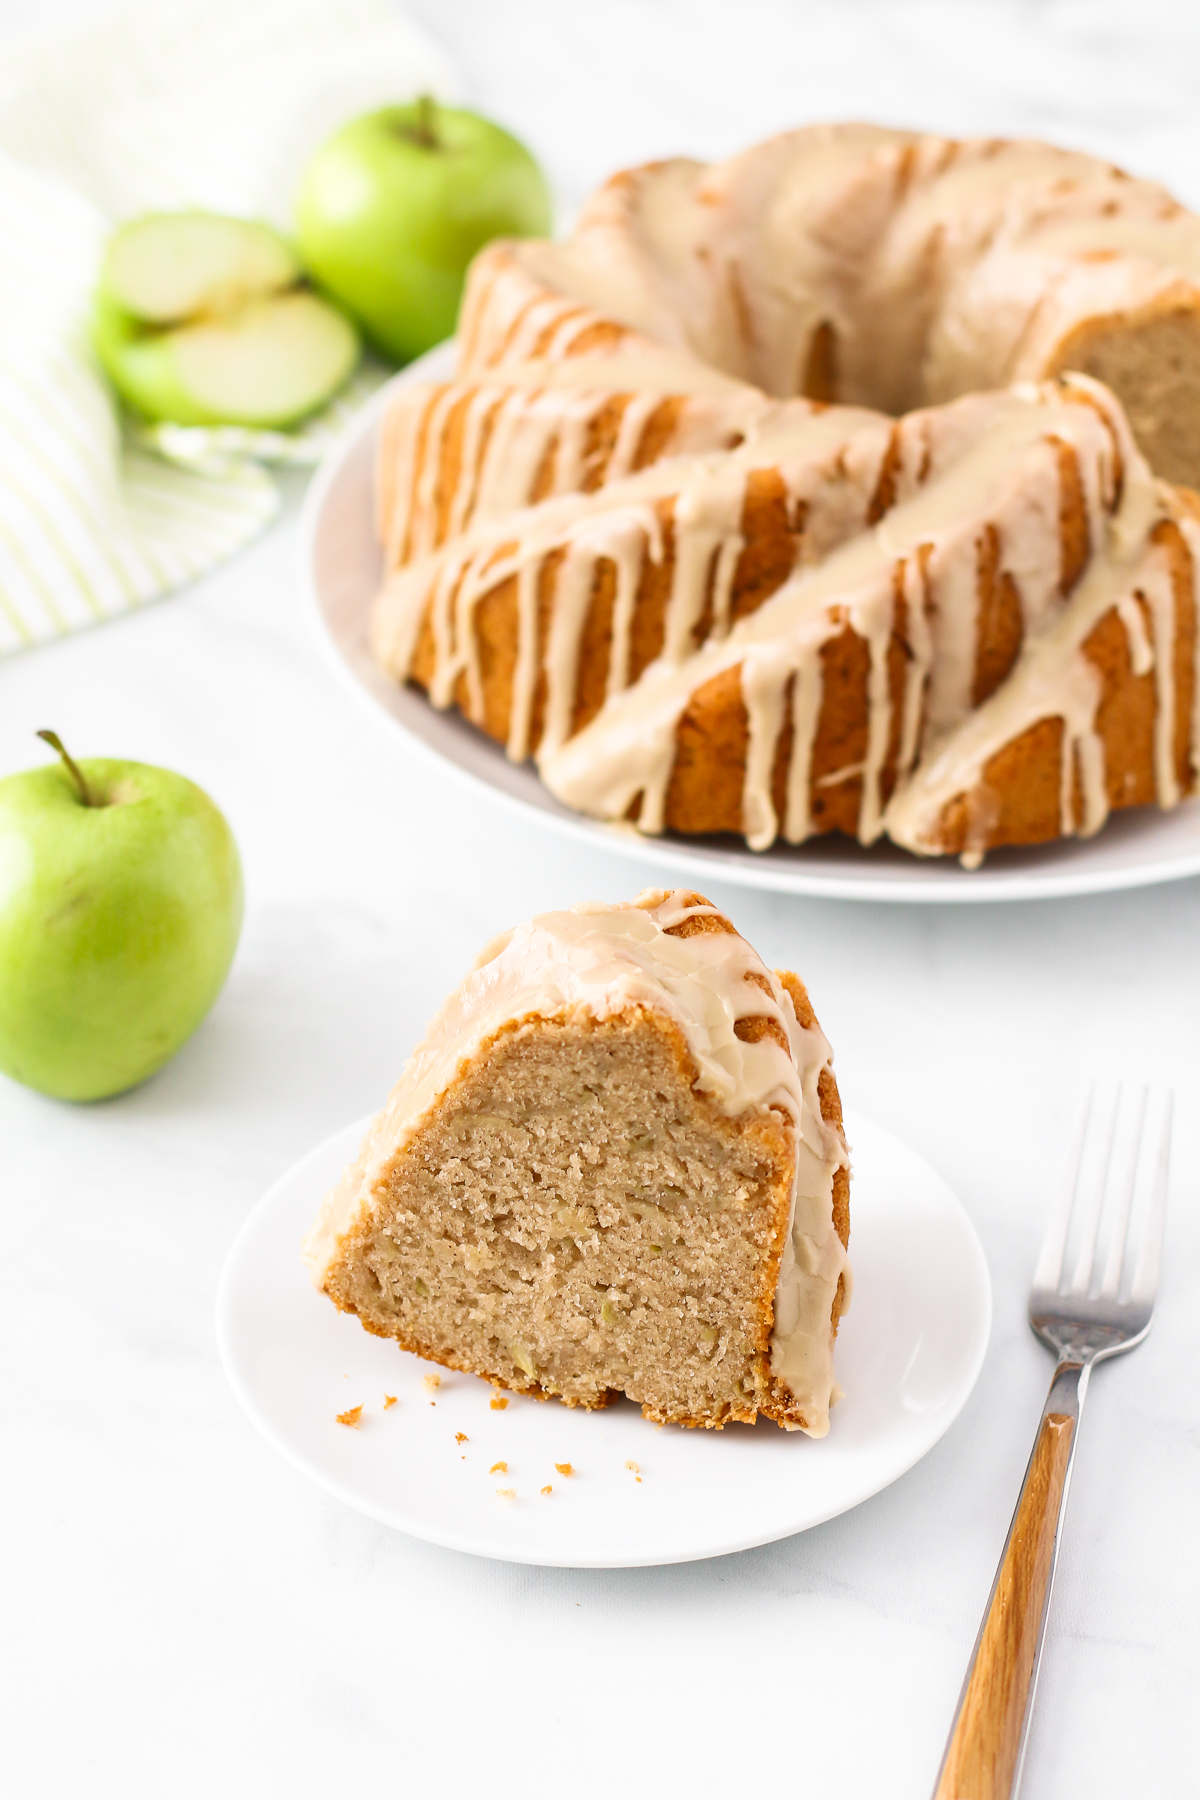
column 73, row 769
column 424, row 131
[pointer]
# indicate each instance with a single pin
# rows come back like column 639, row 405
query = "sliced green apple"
column 172, row 266
column 269, row 363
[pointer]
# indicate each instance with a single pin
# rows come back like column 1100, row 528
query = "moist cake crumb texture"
column 615, row 1166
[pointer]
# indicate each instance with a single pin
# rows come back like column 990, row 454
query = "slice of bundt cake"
column 615, row 1165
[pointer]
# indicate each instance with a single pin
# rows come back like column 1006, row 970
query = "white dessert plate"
column 342, row 566
column 908, row 1355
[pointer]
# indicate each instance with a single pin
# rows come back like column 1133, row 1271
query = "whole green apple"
column 393, row 207
column 120, row 906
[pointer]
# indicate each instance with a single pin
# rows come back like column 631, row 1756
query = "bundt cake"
column 615, row 1165
column 663, row 533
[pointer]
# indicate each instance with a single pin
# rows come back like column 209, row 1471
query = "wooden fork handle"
column 987, row 1739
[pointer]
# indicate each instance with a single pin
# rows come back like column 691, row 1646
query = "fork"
column 1084, row 1310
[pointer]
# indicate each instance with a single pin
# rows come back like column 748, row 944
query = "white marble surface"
column 182, row 1615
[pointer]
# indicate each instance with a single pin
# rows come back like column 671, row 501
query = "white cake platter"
column 342, row 569
column 908, row 1354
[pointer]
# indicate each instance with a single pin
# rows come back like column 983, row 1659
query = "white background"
column 180, row 1614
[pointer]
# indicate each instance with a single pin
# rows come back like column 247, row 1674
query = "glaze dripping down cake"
column 664, row 534
column 615, row 1165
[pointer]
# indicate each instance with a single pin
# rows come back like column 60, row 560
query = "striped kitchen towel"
column 160, row 104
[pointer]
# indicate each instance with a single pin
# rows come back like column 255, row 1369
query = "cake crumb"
column 507, row 1493
column 499, row 1403
column 388, row 1400
column 547, row 1490
column 460, row 1437
column 564, row 1468
column 350, row 1417
column 431, row 1382
column 632, row 1466
column 500, row 1468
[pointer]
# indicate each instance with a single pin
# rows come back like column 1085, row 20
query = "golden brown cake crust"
column 1020, row 793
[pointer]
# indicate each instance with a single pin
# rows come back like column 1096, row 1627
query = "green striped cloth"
column 212, row 103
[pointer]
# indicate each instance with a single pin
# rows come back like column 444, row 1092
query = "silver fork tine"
column 1092, row 1203
column 1145, row 1281
column 1048, row 1272
column 1120, row 1228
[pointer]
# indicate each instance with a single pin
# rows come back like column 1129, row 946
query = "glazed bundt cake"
column 615, row 1165
column 637, row 538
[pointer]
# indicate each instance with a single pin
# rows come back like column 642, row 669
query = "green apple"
column 269, row 363
column 166, row 267
column 393, row 207
column 120, row 907
column 197, row 319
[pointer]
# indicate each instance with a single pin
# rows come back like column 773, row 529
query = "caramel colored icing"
column 610, row 960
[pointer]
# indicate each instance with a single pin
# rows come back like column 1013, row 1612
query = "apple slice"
column 269, row 363
column 172, row 266
column 198, row 320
